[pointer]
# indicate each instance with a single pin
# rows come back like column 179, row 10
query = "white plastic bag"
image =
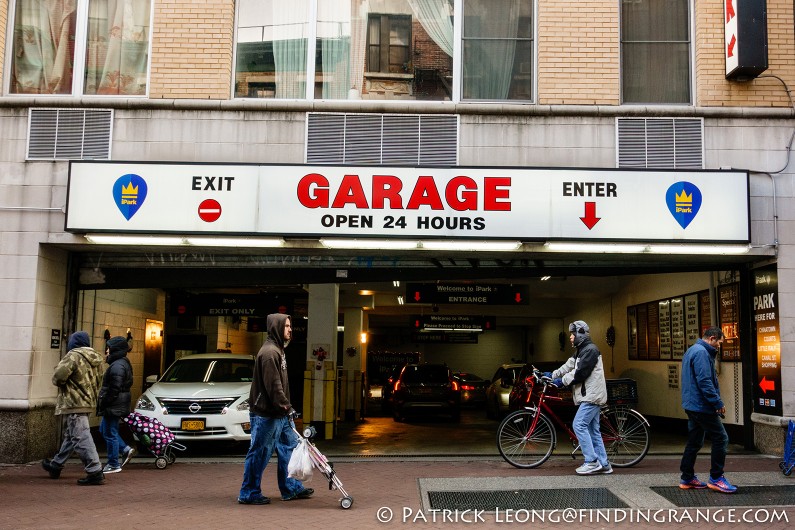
column 300, row 465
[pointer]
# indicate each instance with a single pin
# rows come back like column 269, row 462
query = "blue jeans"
column 267, row 434
column 698, row 425
column 586, row 427
column 109, row 427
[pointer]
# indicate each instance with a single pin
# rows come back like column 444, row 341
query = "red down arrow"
column 590, row 218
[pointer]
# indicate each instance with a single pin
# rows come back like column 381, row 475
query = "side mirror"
column 150, row 380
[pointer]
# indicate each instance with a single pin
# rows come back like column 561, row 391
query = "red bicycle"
column 527, row 437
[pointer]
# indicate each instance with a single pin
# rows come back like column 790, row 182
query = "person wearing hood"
column 114, row 402
column 584, row 372
column 77, row 377
column 271, row 424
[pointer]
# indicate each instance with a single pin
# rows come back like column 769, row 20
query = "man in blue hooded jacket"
column 703, row 406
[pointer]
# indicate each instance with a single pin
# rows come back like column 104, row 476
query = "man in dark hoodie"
column 77, row 377
column 271, row 425
column 114, row 402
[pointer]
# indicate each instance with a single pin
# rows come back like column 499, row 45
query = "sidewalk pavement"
column 200, row 493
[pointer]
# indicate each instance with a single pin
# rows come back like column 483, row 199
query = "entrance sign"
column 453, row 322
column 767, row 381
column 466, row 293
column 400, row 202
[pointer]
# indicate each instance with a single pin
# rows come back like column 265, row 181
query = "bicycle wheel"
column 626, row 436
column 521, row 449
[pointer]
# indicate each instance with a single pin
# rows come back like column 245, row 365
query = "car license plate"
column 193, row 424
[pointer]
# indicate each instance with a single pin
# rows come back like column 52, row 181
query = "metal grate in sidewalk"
column 525, row 499
column 745, row 496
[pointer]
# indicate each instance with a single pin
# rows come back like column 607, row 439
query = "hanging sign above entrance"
column 454, row 322
column 454, row 293
column 400, row 202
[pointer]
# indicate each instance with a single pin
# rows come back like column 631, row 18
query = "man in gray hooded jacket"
column 585, row 374
column 77, row 376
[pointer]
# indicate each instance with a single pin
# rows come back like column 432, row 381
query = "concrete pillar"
column 354, row 352
column 320, row 375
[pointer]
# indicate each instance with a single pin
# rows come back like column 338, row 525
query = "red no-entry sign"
column 209, row 210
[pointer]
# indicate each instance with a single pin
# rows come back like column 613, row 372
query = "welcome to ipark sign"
column 470, row 293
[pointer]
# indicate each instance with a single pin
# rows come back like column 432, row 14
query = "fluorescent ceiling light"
column 400, row 300
column 698, row 249
column 392, row 244
column 545, row 278
column 471, row 245
column 235, row 242
column 596, row 247
column 100, row 239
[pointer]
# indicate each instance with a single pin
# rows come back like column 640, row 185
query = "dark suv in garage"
column 426, row 389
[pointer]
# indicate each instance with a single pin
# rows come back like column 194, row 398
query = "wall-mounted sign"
column 220, row 305
column 453, row 322
column 745, row 33
column 467, row 293
column 729, row 320
column 55, row 338
column 767, row 387
column 400, row 202
column 673, row 376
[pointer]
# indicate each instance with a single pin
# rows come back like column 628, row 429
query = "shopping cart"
column 155, row 437
column 789, row 451
column 321, row 463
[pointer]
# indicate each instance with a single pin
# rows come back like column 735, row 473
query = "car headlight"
column 144, row 403
column 243, row 405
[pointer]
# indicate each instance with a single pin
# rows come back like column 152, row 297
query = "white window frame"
column 79, row 69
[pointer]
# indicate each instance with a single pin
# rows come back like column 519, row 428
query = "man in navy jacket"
column 703, row 406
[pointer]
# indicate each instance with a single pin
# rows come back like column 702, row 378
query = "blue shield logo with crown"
column 684, row 201
column 129, row 192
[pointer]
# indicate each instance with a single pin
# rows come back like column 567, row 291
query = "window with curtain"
column 53, row 55
column 271, row 53
column 655, row 51
column 363, row 49
column 497, row 53
column 117, row 54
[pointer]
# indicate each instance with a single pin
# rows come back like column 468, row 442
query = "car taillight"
column 467, row 387
column 454, row 384
column 397, row 386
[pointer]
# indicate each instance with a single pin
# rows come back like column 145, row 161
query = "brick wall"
column 578, row 52
column 192, row 49
column 712, row 88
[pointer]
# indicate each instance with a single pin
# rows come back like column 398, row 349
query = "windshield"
column 189, row 370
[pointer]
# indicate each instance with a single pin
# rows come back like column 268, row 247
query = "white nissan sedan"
column 203, row 397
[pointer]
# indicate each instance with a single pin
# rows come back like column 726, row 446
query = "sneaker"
column 589, row 468
column 722, row 485
column 128, row 456
column 111, row 469
column 692, row 484
column 92, row 479
column 606, row 470
column 303, row 494
column 53, row 469
column 256, row 500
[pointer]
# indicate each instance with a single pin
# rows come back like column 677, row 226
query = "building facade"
column 583, row 91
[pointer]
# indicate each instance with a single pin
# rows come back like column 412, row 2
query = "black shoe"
column 256, row 500
column 53, row 469
column 303, row 494
column 92, row 479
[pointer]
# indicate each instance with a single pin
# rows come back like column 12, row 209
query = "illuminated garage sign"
column 452, row 293
column 391, row 202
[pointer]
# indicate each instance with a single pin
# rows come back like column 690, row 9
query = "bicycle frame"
column 538, row 400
